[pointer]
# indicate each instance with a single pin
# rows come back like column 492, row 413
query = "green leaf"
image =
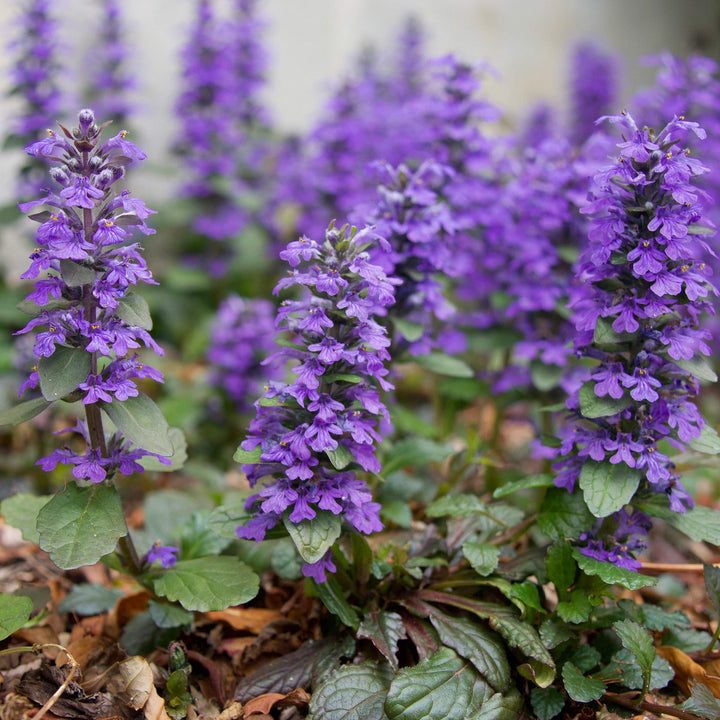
column 525, row 595
column 134, row 310
column 313, row 662
column 352, row 692
column 593, row 406
column 638, row 641
column 456, row 506
column 210, row 583
column 577, row 608
column 140, row 420
column 545, row 377
column 612, row 574
column 697, row 367
column 384, row 630
column 443, row 364
column 75, row 275
column 476, row 643
column 586, row 657
column 79, row 525
column 605, row 335
column 335, row 601
column 580, row 688
column 516, row 632
column 607, row 487
column 165, row 615
column 177, row 458
column 90, row 599
column 198, row 539
column 546, row 702
column 414, row 452
column 501, row 706
column 15, row 611
column 313, row 538
column 563, row 514
column 341, row 457
column 702, row 702
column 561, row 566
column 21, row 512
column 483, row 557
column 711, row 574
column 440, row 687
column 531, row 481
column 708, row 442
column 63, row 371
column 625, row 668
column 701, row 524
column 411, row 331
column 248, row 457
column 24, row 411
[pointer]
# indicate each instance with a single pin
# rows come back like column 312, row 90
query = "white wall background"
column 312, row 42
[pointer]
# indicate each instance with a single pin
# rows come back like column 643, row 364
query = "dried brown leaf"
column 688, row 672
column 247, row 619
column 262, row 704
column 139, row 685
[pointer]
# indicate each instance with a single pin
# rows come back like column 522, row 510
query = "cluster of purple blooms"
column 221, row 116
column 311, row 430
column 241, row 338
column 647, row 289
column 418, row 225
column 34, row 77
column 85, row 267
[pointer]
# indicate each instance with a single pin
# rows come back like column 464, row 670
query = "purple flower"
column 166, row 554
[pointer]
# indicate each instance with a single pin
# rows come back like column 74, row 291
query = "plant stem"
column 632, row 704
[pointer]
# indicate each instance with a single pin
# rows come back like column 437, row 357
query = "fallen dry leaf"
column 248, row 619
column 688, row 672
column 262, row 704
column 139, row 684
column 234, row 711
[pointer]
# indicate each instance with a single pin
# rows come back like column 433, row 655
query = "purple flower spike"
column 316, row 432
column 637, row 314
column 87, row 229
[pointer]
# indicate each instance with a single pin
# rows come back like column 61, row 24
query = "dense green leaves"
column 14, row 613
column 607, row 487
column 141, row 421
column 546, row 702
column 561, row 566
column 210, row 583
column 63, row 371
column 440, row 687
column 352, row 692
column 79, row 525
column 314, row 537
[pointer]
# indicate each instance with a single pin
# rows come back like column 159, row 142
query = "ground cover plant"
column 410, row 416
